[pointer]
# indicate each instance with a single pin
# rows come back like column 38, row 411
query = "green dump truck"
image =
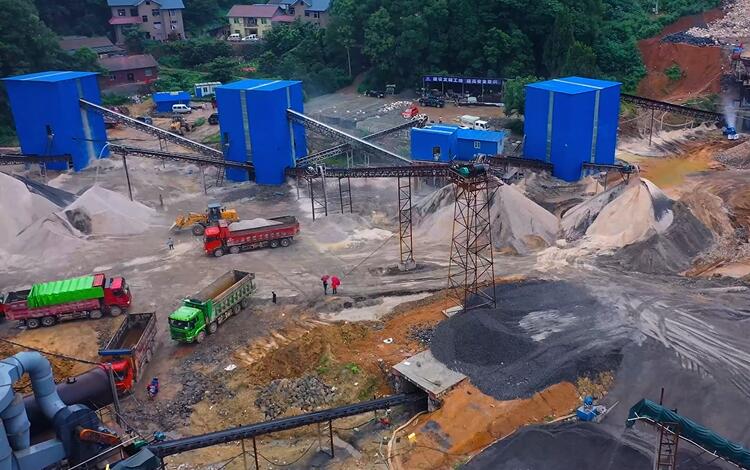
column 203, row 312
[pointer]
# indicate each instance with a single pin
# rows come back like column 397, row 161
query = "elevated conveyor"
column 183, row 157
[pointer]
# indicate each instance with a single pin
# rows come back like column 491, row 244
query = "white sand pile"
column 641, row 210
column 579, row 218
column 518, row 224
column 112, row 213
column 20, row 208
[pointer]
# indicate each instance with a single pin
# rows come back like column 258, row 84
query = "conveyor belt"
column 153, row 130
column 163, row 449
column 672, row 108
column 161, row 155
column 432, row 169
column 17, row 158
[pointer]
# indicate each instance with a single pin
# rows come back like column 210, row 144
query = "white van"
column 181, row 109
column 234, row 37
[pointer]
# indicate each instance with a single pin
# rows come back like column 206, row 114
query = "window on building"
column 237, row 21
column 436, row 153
column 316, row 15
column 157, row 24
column 155, row 12
column 174, row 21
column 144, row 18
column 171, row 13
column 477, row 144
column 307, row 13
column 133, row 12
column 148, row 2
column 121, row 12
column 262, row 21
column 113, row 76
column 173, row 27
column 148, row 72
column 291, row 10
column 131, row 77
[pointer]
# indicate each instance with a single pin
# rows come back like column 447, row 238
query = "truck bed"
column 130, row 332
column 250, row 226
column 219, row 286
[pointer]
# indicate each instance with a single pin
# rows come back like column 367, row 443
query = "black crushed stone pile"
column 683, row 37
column 541, row 333
column 579, row 446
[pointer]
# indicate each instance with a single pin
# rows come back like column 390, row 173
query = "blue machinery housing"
column 571, row 121
column 255, row 128
column 165, row 100
column 444, row 143
column 49, row 120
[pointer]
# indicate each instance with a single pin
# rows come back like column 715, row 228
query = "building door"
column 436, row 153
column 131, row 77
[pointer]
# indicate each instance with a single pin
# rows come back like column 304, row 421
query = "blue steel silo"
column 254, row 127
column 49, row 119
column 570, row 121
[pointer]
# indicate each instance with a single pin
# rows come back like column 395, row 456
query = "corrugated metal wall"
column 254, row 127
column 429, row 142
column 569, row 121
column 49, row 119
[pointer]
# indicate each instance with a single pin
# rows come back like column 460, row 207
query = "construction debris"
column 734, row 25
column 305, row 393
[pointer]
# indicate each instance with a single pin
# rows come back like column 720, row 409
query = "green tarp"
column 60, row 292
column 689, row 429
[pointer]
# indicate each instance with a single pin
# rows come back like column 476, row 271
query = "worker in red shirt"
column 335, row 282
column 325, row 278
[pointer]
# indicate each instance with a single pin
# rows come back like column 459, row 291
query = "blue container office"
column 254, row 127
column 49, row 119
column 471, row 143
column 571, row 121
column 433, row 143
column 165, row 100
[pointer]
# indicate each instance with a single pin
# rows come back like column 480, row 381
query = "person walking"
column 335, row 283
column 273, row 296
column 325, row 278
column 170, row 243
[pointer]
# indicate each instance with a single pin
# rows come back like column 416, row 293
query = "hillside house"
column 101, row 45
column 159, row 20
column 248, row 20
column 309, row 11
column 128, row 69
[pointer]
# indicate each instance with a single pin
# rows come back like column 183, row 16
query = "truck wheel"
column 48, row 321
column 234, row 250
column 245, row 302
column 32, row 323
column 218, row 252
column 95, row 314
column 236, row 308
column 274, row 244
column 115, row 311
column 285, row 242
column 198, row 230
column 201, row 336
column 212, row 327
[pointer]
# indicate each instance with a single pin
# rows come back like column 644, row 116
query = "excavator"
column 199, row 221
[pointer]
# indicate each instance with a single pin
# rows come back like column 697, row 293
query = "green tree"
column 515, row 94
column 222, row 69
column 558, row 44
column 79, row 17
column 581, row 61
column 341, row 30
column 379, row 40
column 85, row 59
column 135, row 42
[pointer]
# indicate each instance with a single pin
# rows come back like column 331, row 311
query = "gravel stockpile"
column 684, row 38
column 421, row 333
column 305, row 393
column 580, row 446
column 541, row 333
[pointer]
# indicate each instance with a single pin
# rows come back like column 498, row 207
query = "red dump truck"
column 47, row 303
column 249, row 235
column 130, row 348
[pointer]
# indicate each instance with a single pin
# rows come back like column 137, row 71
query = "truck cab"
column 186, row 324
column 117, row 294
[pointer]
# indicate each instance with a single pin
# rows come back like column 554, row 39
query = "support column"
column 666, row 447
column 471, row 272
column 345, row 195
column 404, row 225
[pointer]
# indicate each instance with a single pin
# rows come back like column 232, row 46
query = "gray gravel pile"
column 736, row 157
column 669, row 252
column 421, row 333
column 541, row 333
column 306, row 393
column 580, row 446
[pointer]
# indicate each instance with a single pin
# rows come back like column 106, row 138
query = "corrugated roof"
column 589, row 82
column 561, row 87
column 72, row 43
column 50, row 76
column 283, row 19
column 284, row 2
column 319, row 5
column 483, row 136
column 253, row 11
column 128, row 62
column 255, row 84
column 165, row 4
column 166, row 96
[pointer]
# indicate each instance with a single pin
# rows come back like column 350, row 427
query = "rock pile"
column 422, row 333
column 736, row 157
column 734, row 25
column 684, row 38
column 306, row 393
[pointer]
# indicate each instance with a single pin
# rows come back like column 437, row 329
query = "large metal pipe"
column 90, row 388
column 6, row 454
column 17, row 424
column 42, row 380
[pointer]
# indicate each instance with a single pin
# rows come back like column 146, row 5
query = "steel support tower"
column 666, row 446
column 404, row 224
column 471, row 272
column 345, row 194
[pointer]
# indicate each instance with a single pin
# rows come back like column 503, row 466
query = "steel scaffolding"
column 345, row 194
column 471, row 272
column 666, row 446
column 404, row 224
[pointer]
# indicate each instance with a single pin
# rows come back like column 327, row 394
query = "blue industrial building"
column 445, row 142
column 471, row 143
column 165, row 100
column 254, row 127
column 49, row 119
column 570, row 121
